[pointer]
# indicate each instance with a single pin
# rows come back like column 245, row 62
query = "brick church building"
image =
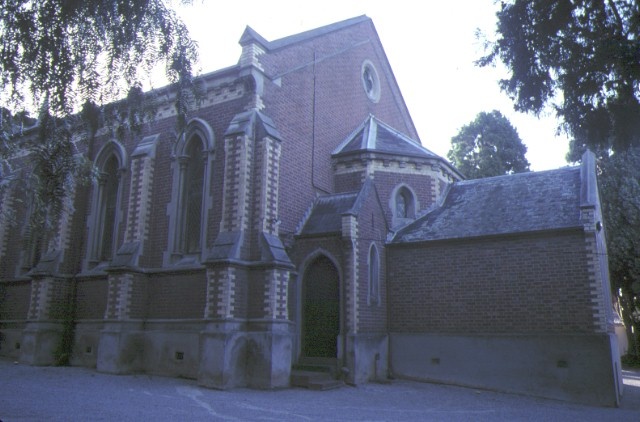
column 298, row 219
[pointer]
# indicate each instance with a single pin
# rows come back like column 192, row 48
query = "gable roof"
column 327, row 212
column 518, row 203
column 326, row 216
column 251, row 35
column 376, row 136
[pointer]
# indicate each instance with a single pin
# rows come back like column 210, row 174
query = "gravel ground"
column 30, row 393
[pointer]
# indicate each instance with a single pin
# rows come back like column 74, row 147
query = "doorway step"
column 316, row 374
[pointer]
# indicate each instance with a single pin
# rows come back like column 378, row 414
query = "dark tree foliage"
column 620, row 195
column 488, row 146
column 583, row 56
column 72, row 51
column 56, row 55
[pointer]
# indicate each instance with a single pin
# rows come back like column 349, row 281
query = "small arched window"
column 404, row 203
column 374, row 276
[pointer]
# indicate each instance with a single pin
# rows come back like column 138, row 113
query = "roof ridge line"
column 286, row 41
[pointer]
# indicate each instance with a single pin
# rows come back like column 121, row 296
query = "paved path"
column 78, row 394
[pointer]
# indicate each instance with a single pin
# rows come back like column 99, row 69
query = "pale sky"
column 431, row 47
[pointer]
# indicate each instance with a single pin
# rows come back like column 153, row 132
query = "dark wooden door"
column 321, row 309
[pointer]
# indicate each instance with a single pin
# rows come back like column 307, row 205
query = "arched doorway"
column 320, row 309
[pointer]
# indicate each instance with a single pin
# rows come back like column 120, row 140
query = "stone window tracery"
column 106, row 213
column 190, row 203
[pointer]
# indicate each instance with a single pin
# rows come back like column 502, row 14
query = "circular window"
column 370, row 81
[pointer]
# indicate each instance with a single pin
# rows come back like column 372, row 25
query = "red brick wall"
column 176, row 296
column 14, row 300
column 15, row 245
column 523, row 284
column 371, row 229
column 350, row 182
column 422, row 186
column 218, row 116
column 315, row 110
column 91, row 298
column 255, row 301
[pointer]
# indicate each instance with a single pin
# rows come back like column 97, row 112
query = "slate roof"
column 374, row 135
column 326, row 216
column 524, row 202
column 327, row 212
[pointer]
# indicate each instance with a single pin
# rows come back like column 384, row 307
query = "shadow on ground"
column 631, row 392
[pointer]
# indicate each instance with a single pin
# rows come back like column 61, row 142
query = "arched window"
column 105, row 213
column 191, row 211
column 190, row 202
column 109, row 184
column 404, row 203
column 374, row 276
column 33, row 238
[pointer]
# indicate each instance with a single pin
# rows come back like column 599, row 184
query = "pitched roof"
column 327, row 212
column 518, row 203
column 374, row 135
column 326, row 216
column 251, row 35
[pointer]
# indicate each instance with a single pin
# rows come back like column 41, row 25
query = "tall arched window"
column 192, row 201
column 374, row 276
column 33, row 238
column 109, row 184
column 105, row 213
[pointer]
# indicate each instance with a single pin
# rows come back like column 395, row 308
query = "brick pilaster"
column 350, row 235
column 6, row 208
column 250, row 56
column 49, row 298
column 61, row 239
column 40, row 302
column 597, row 272
column 268, row 169
column 237, row 184
column 140, row 192
column 275, row 300
column 221, row 285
